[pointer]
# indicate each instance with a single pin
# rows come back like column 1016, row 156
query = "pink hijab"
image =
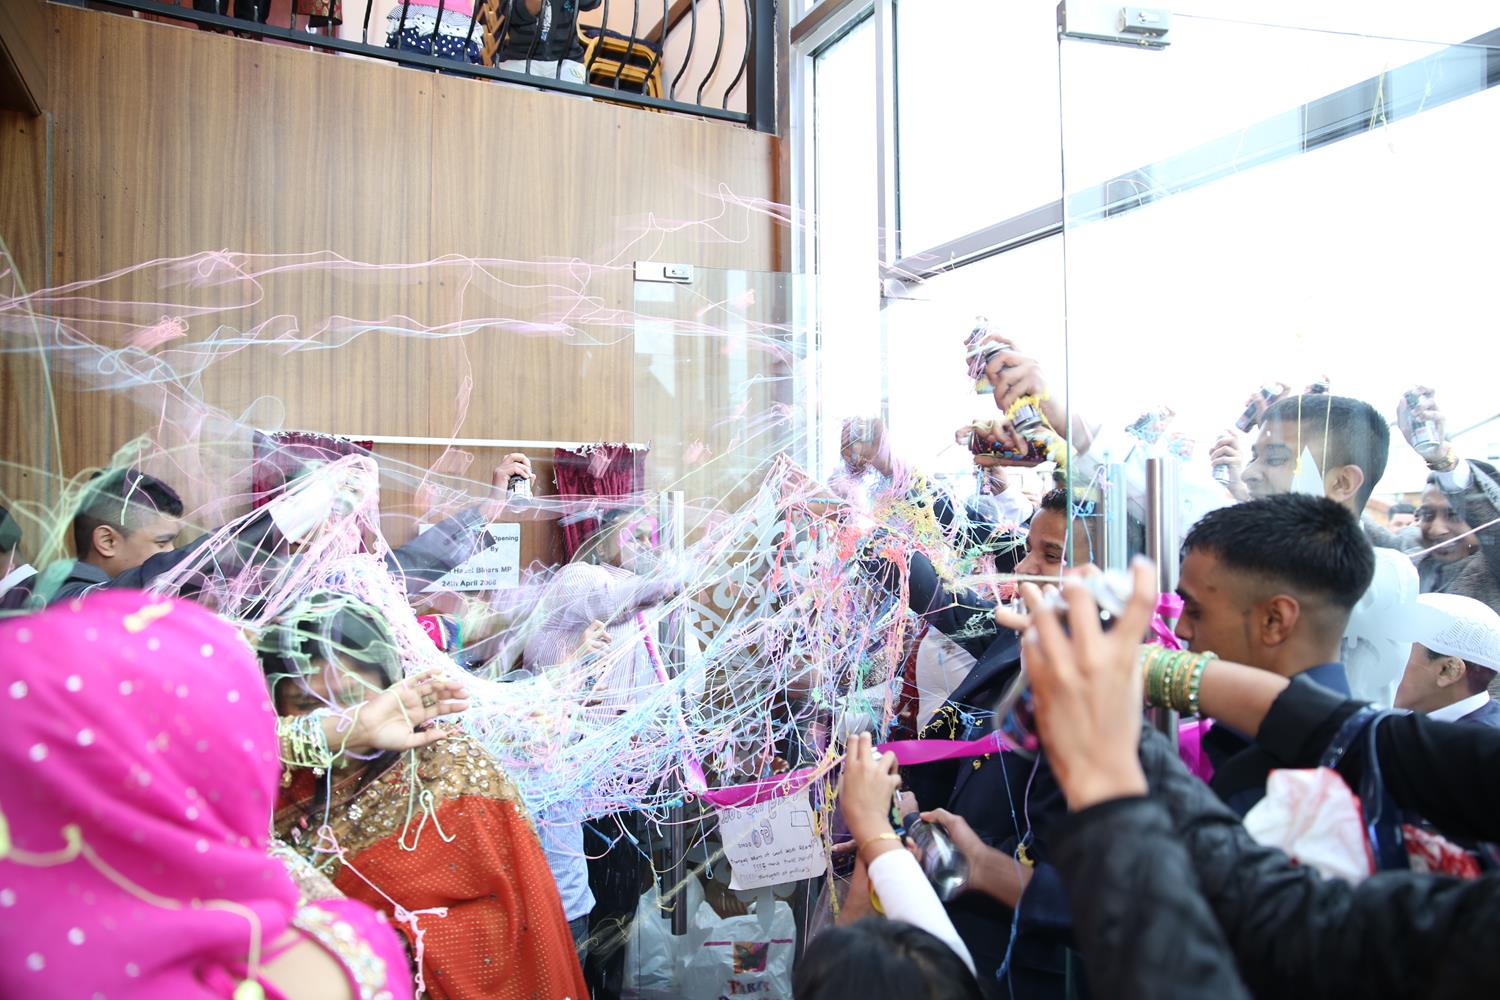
column 145, row 724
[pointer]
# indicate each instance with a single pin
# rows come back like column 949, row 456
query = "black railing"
column 546, row 44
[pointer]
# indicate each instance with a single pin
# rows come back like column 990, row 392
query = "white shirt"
column 1374, row 649
column 942, row 664
column 20, row 574
column 562, row 844
column 1459, row 709
column 1009, row 507
column 906, row 895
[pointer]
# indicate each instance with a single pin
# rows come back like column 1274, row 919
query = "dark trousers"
column 619, row 871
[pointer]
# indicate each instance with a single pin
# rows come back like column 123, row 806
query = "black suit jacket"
column 1000, row 795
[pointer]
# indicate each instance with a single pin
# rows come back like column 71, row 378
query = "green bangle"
column 1156, row 674
column 1196, row 682
column 302, row 740
column 1148, row 657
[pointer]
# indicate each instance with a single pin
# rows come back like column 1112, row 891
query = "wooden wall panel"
column 189, row 141
column 28, row 452
column 23, row 196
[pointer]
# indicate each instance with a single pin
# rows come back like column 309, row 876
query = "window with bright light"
column 976, row 110
column 844, row 233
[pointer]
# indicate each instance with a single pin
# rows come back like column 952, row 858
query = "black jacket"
column 1446, row 772
column 1241, row 765
column 1139, row 920
column 546, row 38
column 1291, row 932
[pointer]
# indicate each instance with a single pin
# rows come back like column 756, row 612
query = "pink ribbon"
column 696, row 780
column 1167, row 606
column 908, row 752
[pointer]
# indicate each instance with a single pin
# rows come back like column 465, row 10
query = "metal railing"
column 545, row 44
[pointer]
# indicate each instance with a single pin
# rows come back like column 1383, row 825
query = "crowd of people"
column 1309, row 634
column 218, row 784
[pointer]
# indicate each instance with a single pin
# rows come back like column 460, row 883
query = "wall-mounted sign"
column 497, row 567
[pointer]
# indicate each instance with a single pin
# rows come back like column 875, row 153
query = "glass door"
column 1267, row 210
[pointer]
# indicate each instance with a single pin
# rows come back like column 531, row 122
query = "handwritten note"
column 772, row 842
column 494, row 568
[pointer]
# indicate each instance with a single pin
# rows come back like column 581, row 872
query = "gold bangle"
column 888, row 835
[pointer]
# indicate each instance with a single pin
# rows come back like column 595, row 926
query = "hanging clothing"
column 454, row 33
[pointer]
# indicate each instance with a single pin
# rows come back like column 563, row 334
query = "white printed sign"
column 495, row 568
column 772, row 842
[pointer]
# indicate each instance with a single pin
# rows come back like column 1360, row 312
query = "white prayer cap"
column 1453, row 625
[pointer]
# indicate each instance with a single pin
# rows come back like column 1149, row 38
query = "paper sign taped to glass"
column 495, row 568
column 772, row 842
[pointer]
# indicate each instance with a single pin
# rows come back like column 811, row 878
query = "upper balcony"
column 711, row 58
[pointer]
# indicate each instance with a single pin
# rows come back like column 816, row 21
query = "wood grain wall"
column 168, row 141
column 28, row 446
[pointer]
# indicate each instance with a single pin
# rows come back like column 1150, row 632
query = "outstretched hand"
column 1226, row 451
column 870, row 780
column 1087, row 688
column 1426, row 411
column 393, row 719
column 991, row 870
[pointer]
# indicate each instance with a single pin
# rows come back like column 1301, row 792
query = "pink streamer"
column 1167, row 606
column 908, row 752
column 697, row 781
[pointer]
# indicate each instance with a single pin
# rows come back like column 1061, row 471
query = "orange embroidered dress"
column 444, row 827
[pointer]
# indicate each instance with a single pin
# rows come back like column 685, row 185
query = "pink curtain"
column 279, row 456
column 613, row 471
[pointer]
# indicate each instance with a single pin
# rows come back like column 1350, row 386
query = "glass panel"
column 1324, row 244
column 717, row 396
column 933, row 407
column 977, row 127
column 1164, row 121
column 1020, row 294
column 441, row 369
column 849, row 364
column 976, row 107
column 716, row 385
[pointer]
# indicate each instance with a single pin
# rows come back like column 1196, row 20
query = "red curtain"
column 279, row 456
column 615, row 471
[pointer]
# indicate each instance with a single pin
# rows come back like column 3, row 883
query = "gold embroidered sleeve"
column 366, row 967
column 312, row 885
column 459, row 766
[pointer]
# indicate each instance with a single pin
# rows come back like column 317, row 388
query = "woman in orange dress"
column 436, row 837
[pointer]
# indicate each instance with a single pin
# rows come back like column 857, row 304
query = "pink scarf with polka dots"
column 144, row 725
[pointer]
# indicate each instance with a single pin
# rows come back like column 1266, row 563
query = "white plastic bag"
column 1313, row 816
column 654, row 956
column 749, row 955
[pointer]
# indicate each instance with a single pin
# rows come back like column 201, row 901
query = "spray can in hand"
column 1424, row 433
column 946, row 867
